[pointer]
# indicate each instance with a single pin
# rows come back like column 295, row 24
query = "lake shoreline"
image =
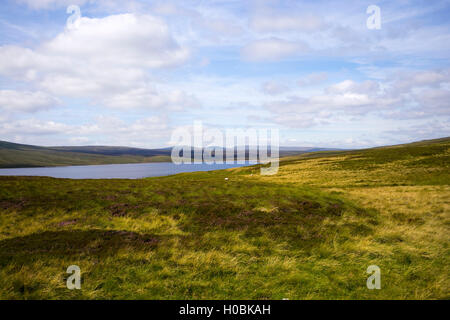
column 115, row 171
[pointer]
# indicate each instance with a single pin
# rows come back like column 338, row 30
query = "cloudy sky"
column 130, row 72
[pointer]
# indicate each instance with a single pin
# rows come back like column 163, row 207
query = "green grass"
column 309, row 232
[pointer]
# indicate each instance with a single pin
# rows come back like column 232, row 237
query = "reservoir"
column 115, row 171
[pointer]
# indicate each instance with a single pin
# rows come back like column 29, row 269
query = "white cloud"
column 175, row 100
column 428, row 130
column 350, row 86
column 32, row 127
column 220, row 27
column 271, row 21
column 414, row 95
column 123, row 39
column 313, row 79
column 435, row 100
column 421, row 79
column 273, row 88
column 202, row 24
column 152, row 131
column 296, row 120
column 46, row 4
column 348, row 96
column 140, row 130
column 272, row 49
column 111, row 6
column 25, row 101
column 106, row 60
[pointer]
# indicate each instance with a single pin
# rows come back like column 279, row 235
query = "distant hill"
column 14, row 155
column 116, row 151
column 287, row 151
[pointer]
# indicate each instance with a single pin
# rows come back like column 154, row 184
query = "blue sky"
column 131, row 72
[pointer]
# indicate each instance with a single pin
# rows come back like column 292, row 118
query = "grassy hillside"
column 309, row 232
column 14, row 155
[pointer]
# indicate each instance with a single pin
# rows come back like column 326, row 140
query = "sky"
column 128, row 73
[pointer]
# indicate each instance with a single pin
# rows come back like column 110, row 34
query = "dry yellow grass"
column 309, row 232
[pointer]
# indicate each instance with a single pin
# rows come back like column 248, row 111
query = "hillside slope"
column 14, row 155
column 309, row 232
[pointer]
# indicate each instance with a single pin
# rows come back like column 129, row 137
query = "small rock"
column 66, row 223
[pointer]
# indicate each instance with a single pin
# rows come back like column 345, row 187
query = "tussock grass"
column 309, row 232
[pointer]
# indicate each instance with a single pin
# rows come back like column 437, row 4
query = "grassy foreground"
column 309, row 232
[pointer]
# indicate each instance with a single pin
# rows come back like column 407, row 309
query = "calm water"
column 115, row 171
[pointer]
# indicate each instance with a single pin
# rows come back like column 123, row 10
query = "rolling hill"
column 308, row 232
column 14, row 155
